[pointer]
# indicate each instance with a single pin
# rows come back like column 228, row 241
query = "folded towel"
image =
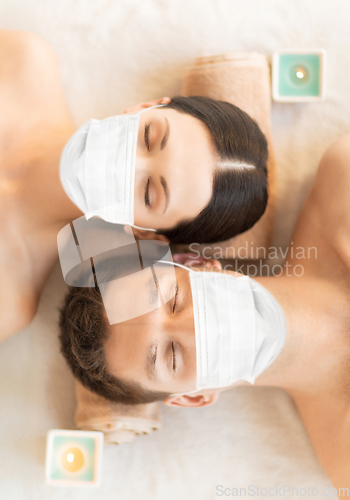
column 120, row 423
column 242, row 79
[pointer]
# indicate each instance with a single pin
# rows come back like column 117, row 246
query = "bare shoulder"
column 333, row 175
column 324, row 221
column 32, row 102
column 333, row 192
column 20, row 50
column 29, row 69
column 331, row 188
column 339, row 150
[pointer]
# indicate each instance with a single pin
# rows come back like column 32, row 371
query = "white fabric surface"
column 115, row 53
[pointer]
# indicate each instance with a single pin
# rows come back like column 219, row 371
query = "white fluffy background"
column 114, row 54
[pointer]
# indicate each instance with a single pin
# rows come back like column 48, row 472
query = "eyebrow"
column 153, row 349
column 151, row 362
column 162, row 180
column 166, row 135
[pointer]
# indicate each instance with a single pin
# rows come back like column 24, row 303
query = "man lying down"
column 184, row 334
column 202, row 332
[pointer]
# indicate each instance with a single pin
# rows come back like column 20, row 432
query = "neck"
column 312, row 348
column 54, row 209
column 42, row 208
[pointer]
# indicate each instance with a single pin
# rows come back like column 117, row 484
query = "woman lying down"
column 164, row 166
column 203, row 330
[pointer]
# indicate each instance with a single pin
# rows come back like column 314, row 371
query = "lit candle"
column 298, row 76
column 73, row 457
column 301, row 73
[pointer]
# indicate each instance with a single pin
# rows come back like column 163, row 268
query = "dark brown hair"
column 83, row 329
column 239, row 194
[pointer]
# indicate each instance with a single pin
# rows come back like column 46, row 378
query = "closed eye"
column 174, row 355
column 175, row 297
column 146, row 135
column 147, row 203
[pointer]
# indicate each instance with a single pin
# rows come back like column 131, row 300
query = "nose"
column 141, row 163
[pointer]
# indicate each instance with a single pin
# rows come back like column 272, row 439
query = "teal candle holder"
column 299, row 76
column 73, row 458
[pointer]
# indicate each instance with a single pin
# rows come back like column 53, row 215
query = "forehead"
column 140, row 293
column 127, row 340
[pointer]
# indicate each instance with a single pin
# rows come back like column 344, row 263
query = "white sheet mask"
column 240, row 328
column 97, row 168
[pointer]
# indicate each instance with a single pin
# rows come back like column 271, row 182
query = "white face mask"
column 97, row 168
column 240, row 328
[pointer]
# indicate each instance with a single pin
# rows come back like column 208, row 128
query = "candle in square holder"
column 73, row 458
column 299, row 76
